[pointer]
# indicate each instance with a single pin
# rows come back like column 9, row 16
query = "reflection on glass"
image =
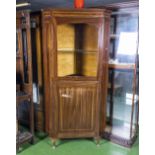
column 25, row 55
column 77, row 50
column 135, row 111
column 122, row 103
column 127, row 43
column 124, row 39
column 122, row 100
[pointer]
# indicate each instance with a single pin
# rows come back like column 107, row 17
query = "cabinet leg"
column 18, row 142
column 97, row 141
column 32, row 140
column 17, row 147
column 53, row 140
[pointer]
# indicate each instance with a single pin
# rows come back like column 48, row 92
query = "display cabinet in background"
column 24, row 104
column 123, row 93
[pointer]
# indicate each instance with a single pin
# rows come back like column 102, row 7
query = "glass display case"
column 122, row 100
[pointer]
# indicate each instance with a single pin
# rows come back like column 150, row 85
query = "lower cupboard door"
column 78, row 107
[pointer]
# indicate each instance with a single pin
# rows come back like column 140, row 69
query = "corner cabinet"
column 75, row 71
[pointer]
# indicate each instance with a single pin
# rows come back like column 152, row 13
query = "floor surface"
column 43, row 146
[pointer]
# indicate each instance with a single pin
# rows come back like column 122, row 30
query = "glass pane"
column 124, row 36
column 122, row 98
column 122, row 54
column 77, row 50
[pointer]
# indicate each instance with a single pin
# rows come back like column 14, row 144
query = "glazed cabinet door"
column 77, row 109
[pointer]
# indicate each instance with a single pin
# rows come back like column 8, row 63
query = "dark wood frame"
column 24, row 15
column 37, row 63
column 50, row 18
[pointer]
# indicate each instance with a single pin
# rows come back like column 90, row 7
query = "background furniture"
column 24, row 136
column 37, row 65
column 23, row 51
column 122, row 99
column 75, row 71
column 24, row 77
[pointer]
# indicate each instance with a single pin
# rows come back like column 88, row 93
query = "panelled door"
column 78, row 108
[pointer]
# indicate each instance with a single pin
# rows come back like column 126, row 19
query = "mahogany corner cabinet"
column 75, row 57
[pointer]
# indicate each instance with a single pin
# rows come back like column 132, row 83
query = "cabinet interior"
column 77, row 49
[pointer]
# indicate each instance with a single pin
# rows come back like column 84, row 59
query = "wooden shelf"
column 116, row 86
column 114, row 36
column 76, row 51
column 122, row 66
